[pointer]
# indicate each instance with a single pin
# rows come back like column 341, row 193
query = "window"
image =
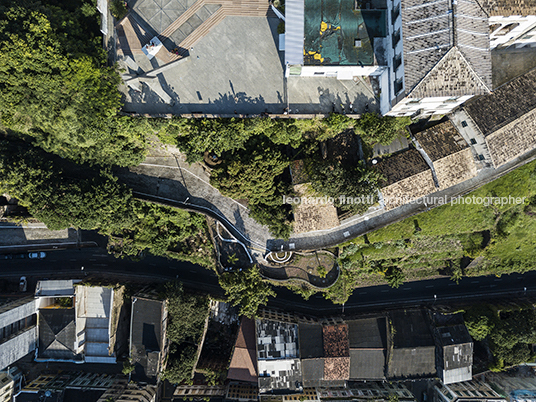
column 464, row 123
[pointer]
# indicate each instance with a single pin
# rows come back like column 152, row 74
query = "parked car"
column 39, row 255
column 19, row 255
column 23, row 284
column 6, row 256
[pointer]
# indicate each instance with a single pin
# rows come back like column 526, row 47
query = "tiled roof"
column 336, row 340
column 506, row 8
column 57, row 333
column 446, row 50
column 513, row 140
column 401, row 166
column 472, row 39
column 426, row 35
column 243, row 365
column 455, row 168
column 505, row 104
column 441, row 140
column 460, row 80
column 337, row 368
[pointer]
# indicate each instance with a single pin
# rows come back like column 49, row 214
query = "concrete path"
column 166, row 174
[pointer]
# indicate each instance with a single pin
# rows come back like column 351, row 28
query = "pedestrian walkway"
column 189, row 27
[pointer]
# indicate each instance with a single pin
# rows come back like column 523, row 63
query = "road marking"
column 429, row 286
column 474, row 281
column 92, row 259
column 407, row 288
column 152, row 265
column 452, row 284
column 385, row 291
column 497, row 280
column 72, row 259
column 100, row 265
column 363, row 293
column 193, row 272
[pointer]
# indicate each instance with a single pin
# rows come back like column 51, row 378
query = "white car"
column 39, row 255
column 23, row 284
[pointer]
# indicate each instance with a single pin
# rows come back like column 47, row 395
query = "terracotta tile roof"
column 441, row 140
column 336, row 340
column 455, row 168
column 336, row 368
column 401, row 166
column 505, row 104
column 506, row 8
column 513, row 140
column 243, row 366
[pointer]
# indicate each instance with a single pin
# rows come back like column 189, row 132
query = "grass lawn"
column 464, row 239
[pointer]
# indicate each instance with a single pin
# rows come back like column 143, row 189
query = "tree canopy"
column 247, row 289
column 56, row 88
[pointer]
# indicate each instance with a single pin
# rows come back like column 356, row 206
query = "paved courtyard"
column 235, row 67
column 327, row 94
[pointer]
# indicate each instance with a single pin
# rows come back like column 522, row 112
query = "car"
column 23, row 284
column 38, row 254
column 6, row 256
column 19, row 255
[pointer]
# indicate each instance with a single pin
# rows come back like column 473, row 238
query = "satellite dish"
column 48, row 393
column 374, row 161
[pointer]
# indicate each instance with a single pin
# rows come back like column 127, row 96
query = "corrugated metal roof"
column 294, row 31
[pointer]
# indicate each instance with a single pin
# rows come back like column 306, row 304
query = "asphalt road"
column 95, row 261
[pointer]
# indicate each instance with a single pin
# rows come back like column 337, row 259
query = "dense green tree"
column 60, row 194
column 256, row 176
column 187, row 314
column 374, row 129
column 337, row 180
column 180, row 364
column 246, row 289
column 55, row 87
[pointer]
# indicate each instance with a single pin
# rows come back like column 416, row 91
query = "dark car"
column 19, row 255
column 6, row 256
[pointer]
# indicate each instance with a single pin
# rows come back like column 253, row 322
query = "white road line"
column 475, row 281
column 407, row 288
column 497, row 280
column 363, row 293
column 429, row 286
column 385, row 291
column 452, row 284
column 92, row 259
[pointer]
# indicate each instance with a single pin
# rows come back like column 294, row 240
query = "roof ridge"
column 453, row 49
column 472, row 69
column 430, row 72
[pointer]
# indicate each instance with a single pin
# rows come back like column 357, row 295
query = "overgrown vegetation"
column 509, row 332
column 444, row 240
column 55, row 87
column 246, row 289
column 63, row 195
column 187, row 314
